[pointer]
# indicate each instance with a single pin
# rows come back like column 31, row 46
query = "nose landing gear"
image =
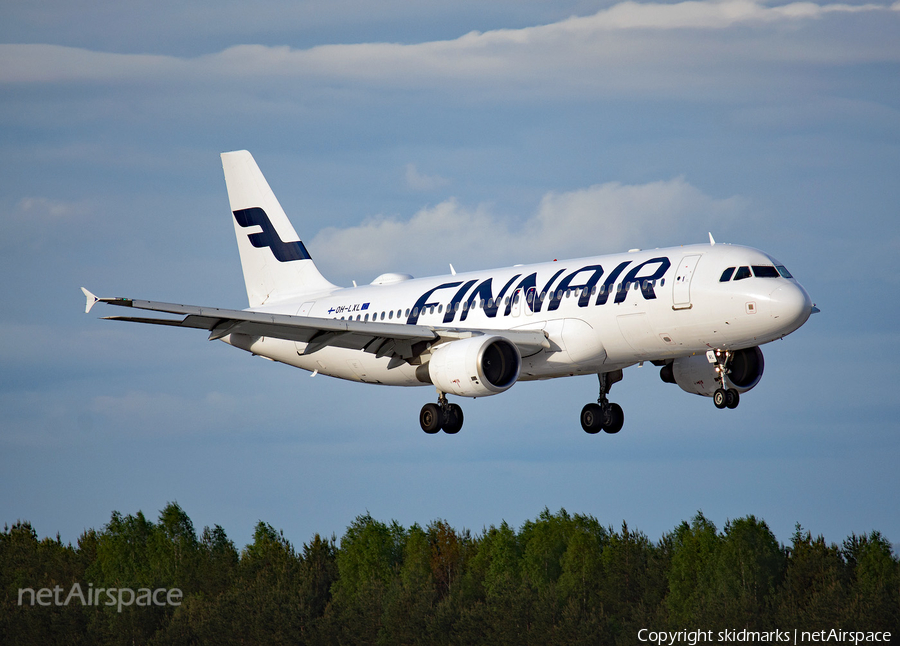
column 443, row 415
column 723, row 397
column 603, row 415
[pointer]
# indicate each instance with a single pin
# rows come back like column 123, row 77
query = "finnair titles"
column 698, row 312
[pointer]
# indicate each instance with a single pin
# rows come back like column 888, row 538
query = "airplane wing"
column 401, row 342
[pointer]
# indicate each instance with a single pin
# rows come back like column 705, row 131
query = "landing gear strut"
column 724, row 397
column 443, row 415
column 603, row 415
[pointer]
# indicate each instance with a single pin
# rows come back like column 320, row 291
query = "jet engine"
column 475, row 367
column 697, row 375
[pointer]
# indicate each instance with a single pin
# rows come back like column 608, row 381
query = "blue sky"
column 403, row 137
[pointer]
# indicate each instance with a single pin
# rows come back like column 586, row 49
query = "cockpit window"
column 783, row 271
column 726, row 275
column 742, row 273
column 765, row 271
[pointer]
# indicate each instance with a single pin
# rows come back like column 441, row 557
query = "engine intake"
column 475, row 367
column 697, row 375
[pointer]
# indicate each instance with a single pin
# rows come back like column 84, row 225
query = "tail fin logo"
column 268, row 237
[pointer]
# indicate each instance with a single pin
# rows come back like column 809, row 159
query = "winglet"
column 712, row 242
column 91, row 300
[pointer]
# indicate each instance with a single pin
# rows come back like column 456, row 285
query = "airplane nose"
column 790, row 306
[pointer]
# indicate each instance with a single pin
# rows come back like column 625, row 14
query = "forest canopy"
column 560, row 579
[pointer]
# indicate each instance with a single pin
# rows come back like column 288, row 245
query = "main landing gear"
column 443, row 415
column 603, row 415
column 724, row 397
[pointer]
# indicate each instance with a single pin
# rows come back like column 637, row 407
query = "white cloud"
column 417, row 181
column 42, row 207
column 599, row 219
column 651, row 46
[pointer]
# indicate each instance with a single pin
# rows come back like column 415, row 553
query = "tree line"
column 558, row 579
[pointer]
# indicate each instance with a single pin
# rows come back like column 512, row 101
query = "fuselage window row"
column 576, row 292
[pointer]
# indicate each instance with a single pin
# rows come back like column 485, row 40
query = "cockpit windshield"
column 765, row 271
column 760, row 271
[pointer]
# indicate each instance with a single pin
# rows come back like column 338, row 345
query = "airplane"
column 698, row 312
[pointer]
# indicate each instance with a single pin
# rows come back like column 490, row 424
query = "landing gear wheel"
column 604, row 415
column 430, row 418
column 732, row 398
column 616, row 419
column 453, row 419
column 720, row 398
column 592, row 418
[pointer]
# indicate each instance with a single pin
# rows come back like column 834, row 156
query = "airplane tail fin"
column 276, row 264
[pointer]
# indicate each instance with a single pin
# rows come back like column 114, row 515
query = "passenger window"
column 726, row 275
column 765, row 271
column 742, row 273
column 407, row 311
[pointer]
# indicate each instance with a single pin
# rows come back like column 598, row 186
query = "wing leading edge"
column 401, row 342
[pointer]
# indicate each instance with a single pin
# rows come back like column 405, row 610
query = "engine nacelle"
column 475, row 367
column 697, row 375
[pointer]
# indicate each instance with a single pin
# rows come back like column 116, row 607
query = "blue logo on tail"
column 268, row 237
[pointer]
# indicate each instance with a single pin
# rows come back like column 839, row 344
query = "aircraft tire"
column 430, row 418
column 720, row 398
column 453, row 420
column 591, row 418
column 616, row 419
column 732, row 398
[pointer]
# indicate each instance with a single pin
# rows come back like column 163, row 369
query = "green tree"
column 126, row 558
column 411, row 596
column 750, row 566
column 874, row 583
column 632, row 583
column 693, row 560
column 544, row 542
column 26, row 562
column 581, row 567
column 814, row 588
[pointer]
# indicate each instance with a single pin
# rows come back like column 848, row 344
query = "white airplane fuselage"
column 614, row 311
